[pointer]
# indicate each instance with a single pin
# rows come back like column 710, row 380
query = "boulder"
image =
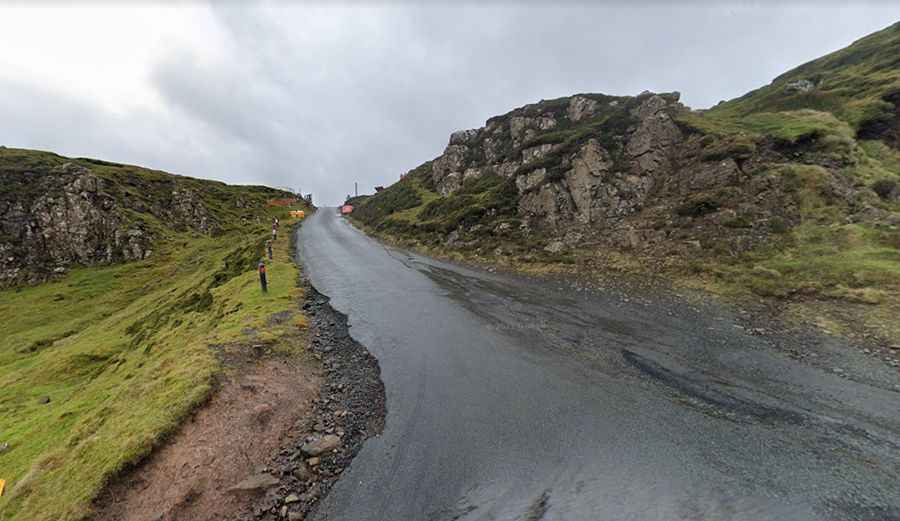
column 461, row 137
column 517, row 126
column 548, row 206
column 451, row 162
column 555, row 247
column 589, row 171
column 503, row 228
column 303, row 472
column 256, row 482
column 800, row 86
column 318, row 445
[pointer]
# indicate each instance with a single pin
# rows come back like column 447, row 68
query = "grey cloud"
column 319, row 97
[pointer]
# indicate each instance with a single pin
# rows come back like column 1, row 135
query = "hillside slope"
column 100, row 363
column 57, row 211
column 792, row 191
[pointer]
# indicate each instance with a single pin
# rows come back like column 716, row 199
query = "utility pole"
column 355, row 189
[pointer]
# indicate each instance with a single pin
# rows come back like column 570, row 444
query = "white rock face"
column 801, row 86
column 536, row 152
column 656, row 134
column 450, row 183
column 588, row 187
column 588, row 173
column 580, row 108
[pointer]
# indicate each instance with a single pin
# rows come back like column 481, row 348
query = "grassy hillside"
column 791, row 193
column 854, row 84
column 839, row 114
column 96, row 368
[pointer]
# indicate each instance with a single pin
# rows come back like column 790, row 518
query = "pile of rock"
column 349, row 409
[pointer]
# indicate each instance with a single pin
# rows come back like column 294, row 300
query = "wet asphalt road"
column 516, row 399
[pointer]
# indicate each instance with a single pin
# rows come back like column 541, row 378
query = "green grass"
column 856, row 89
column 824, row 258
column 824, row 253
column 794, row 125
column 851, row 83
column 839, row 261
column 876, row 162
column 791, row 126
column 123, row 352
column 412, row 213
column 402, row 201
column 397, row 197
column 480, row 200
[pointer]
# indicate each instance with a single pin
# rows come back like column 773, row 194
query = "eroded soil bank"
column 272, row 439
column 350, row 408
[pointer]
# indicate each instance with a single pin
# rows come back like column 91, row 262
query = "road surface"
column 511, row 399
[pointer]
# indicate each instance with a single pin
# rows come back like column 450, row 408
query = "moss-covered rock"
column 56, row 212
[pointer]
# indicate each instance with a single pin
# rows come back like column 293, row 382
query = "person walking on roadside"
column 269, row 249
column 263, row 283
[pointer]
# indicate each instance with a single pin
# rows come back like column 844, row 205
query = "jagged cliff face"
column 57, row 212
column 611, row 169
column 70, row 219
column 792, row 190
column 818, row 145
column 636, row 173
column 564, row 174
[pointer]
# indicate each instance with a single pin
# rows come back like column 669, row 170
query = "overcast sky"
column 318, row 97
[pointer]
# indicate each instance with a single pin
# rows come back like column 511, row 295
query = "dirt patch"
column 274, row 437
column 248, row 418
column 349, row 409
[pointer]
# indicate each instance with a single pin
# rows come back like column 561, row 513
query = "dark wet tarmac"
column 516, row 399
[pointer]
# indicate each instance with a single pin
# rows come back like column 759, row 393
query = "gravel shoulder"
column 275, row 435
column 349, row 408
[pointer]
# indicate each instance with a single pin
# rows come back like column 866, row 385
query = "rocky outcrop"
column 71, row 219
column 56, row 213
column 448, row 168
column 598, row 173
column 561, row 180
column 581, row 108
column 188, row 211
column 801, row 86
column 650, row 145
column 628, row 173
